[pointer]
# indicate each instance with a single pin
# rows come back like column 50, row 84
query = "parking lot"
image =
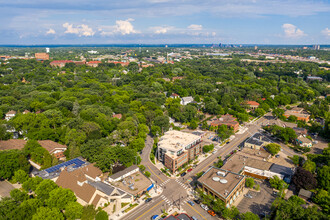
column 260, row 202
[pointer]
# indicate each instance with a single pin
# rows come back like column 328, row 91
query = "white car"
column 204, row 207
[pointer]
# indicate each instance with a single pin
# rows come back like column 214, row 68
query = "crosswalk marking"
column 163, row 183
column 181, row 184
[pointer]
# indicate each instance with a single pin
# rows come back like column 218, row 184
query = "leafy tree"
column 219, row 164
column 88, row 213
column 47, row 213
column 155, row 130
column 249, row 216
column 249, row 182
column 73, row 210
column 323, row 177
column 18, row 195
column 273, row 149
column 137, row 144
column 11, row 161
column 147, row 174
column 32, row 183
column 295, row 159
column 304, row 179
column 44, row 188
column 277, row 183
column 60, row 197
column 20, row 176
column 27, row 209
column 7, row 207
column 162, row 122
column 208, row 148
column 101, row 215
column 322, row 198
column 310, row 166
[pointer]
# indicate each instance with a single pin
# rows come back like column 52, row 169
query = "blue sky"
column 165, row 21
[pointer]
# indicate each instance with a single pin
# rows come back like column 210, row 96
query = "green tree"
column 277, row 183
column 323, row 177
column 88, row 213
column 18, row 195
column 44, row 188
column 60, row 197
column 219, row 164
column 273, row 148
column 249, row 216
column 208, row 148
column 147, row 174
column 27, row 209
column 155, row 130
column 101, row 215
column 11, row 161
column 32, row 183
column 20, row 176
column 310, row 166
column 47, row 213
column 137, row 144
column 249, row 182
column 73, row 210
column 8, row 206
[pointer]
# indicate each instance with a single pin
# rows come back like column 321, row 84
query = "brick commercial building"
column 227, row 120
column 60, row 63
column 41, row 56
column 176, row 148
column 297, row 112
column 222, row 184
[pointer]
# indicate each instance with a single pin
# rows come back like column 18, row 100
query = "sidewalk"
column 154, row 192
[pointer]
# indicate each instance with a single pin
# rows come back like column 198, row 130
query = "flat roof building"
column 257, row 141
column 175, row 148
column 222, row 184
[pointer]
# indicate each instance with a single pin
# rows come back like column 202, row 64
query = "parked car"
column 183, row 174
column 189, row 170
column 148, row 199
column 197, row 201
column 194, row 218
column 211, row 212
column 154, row 217
column 248, row 196
column 227, row 142
column 277, row 156
column 191, row 203
column 204, row 207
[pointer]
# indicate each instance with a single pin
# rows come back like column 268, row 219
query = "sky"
column 165, row 22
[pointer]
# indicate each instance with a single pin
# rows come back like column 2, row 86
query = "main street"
column 176, row 191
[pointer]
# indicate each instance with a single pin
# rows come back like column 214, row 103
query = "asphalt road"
column 175, row 191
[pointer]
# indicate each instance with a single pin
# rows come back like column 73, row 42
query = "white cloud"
column 195, row 27
column 161, row 29
column 51, row 31
column 125, row 27
column 291, row 31
column 80, row 30
column 326, row 32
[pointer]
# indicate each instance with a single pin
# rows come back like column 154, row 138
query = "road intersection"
column 176, row 192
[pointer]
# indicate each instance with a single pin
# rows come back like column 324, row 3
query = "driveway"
column 260, row 203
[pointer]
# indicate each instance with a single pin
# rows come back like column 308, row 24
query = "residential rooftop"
column 258, row 139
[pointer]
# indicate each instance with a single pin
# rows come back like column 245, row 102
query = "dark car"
column 197, row 201
column 183, row 174
column 148, row 199
column 227, row 142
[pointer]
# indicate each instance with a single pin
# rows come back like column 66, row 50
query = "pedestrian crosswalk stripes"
column 181, row 184
column 163, row 183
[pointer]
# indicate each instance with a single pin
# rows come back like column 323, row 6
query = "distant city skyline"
column 165, row 22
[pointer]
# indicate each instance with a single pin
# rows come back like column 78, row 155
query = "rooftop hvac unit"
column 220, row 173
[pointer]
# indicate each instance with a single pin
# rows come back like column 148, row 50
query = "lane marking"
column 155, row 174
column 150, row 209
column 197, row 211
column 225, row 152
